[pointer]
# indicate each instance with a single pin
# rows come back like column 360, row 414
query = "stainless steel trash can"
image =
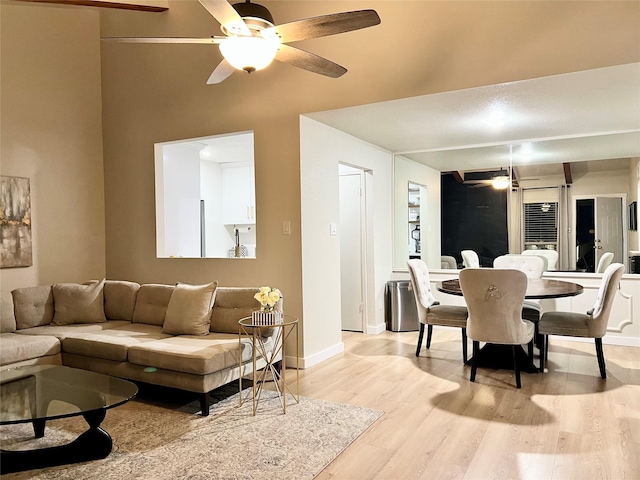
column 401, row 314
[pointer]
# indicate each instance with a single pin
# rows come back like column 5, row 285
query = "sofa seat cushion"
column 62, row 331
column 112, row 344
column 200, row 355
column 17, row 348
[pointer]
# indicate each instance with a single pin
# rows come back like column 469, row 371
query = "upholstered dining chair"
column 494, row 300
column 533, row 266
column 592, row 324
column 605, row 261
column 470, row 259
column 550, row 255
column 448, row 262
column 430, row 312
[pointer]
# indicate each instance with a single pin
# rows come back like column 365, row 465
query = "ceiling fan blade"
column 222, row 71
column 309, row 61
column 224, row 13
column 210, row 40
column 325, row 25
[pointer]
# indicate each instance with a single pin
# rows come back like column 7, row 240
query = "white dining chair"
column 592, row 324
column 494, row 300
column 605, row 261
column 470, row 259
column 533, row 266
column 448, row 262
column 430, row 312
column 550, row 255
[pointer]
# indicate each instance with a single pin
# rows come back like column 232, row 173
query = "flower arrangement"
column 268, row 297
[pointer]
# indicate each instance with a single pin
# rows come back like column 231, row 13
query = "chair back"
column 550, row 255
column 448, row 262
column 600, row 311
column 531, row 265
column 494, row 300
column 421, row 286
column 470, row 259
column 605, row 261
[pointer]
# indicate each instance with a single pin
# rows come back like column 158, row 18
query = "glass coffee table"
column 38, row 393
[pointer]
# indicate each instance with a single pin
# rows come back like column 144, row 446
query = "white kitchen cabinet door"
column 238, row 195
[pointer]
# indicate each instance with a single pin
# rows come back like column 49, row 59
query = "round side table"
column 268, row 345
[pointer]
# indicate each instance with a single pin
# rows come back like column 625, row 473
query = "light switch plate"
column 286, row 227
column 333, row 229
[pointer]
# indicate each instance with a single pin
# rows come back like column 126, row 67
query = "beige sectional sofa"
column 179, row 336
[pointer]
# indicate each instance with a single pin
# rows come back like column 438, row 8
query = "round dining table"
column 500, row 356
column 537, row 288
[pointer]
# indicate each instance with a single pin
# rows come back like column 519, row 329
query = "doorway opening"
column 585, row 235
column 599, row 228
column 355, row 247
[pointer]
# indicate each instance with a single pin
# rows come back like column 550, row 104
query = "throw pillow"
column 189, row 309
column 74, row 303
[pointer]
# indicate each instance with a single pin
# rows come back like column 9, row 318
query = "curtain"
column 515, row 227
column 564, row 227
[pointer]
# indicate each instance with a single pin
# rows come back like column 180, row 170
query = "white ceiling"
column 227, row 148
column 588, row 115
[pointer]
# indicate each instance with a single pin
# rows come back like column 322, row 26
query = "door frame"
column 625, row 226
column 366, row 235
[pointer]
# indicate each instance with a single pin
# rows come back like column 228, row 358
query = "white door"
column 609, row 225
column 351, row 277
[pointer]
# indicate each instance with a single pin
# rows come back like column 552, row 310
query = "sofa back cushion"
column 189, row 309
column 151, row 303
column 120, row 299
column 32, row 306
column 74, row 303
column 231, row 304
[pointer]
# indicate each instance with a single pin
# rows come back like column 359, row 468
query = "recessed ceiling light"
column 496, row 119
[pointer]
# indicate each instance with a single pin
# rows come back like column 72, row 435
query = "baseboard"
column 376, row 329
column 606, row 340
column 306, row 362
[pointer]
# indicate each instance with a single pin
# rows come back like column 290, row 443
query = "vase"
column 266, row 318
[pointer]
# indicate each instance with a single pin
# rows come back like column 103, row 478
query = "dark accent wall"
column 473, row 218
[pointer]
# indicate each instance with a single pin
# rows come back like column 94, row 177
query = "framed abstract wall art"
column 15, row 222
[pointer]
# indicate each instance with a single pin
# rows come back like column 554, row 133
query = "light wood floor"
column 565, row 424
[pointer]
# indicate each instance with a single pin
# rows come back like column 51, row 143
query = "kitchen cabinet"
column 238, row 195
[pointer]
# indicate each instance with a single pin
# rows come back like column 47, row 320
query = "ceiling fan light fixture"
column 500, row 182
column 249, row 53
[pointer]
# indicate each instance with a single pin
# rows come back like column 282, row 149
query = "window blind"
column 541, row 222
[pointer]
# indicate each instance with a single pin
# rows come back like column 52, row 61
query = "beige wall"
column 156, row 93
column 52, row 133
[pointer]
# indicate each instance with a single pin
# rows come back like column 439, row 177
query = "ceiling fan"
column 496, row 179
column 252, row 40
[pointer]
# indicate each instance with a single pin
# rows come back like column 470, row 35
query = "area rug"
column 160, row 440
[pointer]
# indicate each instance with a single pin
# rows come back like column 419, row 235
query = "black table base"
column 93, row 444
column 501, row 357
